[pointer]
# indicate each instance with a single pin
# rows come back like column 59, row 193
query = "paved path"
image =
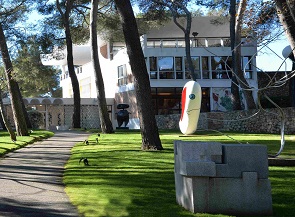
column 31, row 178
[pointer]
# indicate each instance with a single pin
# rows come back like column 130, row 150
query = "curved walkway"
column 31, row 178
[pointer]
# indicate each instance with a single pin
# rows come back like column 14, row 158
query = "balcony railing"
column 196, row 42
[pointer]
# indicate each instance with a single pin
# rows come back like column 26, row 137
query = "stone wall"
column 255, row 121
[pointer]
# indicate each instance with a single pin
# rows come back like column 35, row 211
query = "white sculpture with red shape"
column 190, row 107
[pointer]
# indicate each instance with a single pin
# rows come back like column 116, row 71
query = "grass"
column 6, row 145
column 122, row 180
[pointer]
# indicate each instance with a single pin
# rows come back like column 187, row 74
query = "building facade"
column 164, row 51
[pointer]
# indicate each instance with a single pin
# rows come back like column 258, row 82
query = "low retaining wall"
column 256, row 121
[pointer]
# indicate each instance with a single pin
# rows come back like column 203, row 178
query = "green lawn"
column 122, row 180
column 6, row 145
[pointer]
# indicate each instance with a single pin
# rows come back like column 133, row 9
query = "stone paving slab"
column 31, row 178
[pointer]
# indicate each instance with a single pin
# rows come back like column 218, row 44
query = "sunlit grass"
column 122, row 180
column 7, row 145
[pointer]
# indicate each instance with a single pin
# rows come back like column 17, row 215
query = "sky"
column 270, row 58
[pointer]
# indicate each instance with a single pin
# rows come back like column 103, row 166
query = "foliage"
column 281, row 101
column 35, row 79
column 261, row 21
column 122, row 180
column 36, row 118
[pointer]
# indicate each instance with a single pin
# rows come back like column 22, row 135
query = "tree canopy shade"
column 148, row 125
column 10, row 14
column 35, row 79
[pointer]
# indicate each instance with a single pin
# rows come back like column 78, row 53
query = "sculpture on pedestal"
column 122, row 116
column 190, row 107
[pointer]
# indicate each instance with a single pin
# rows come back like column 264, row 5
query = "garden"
column 123, row 180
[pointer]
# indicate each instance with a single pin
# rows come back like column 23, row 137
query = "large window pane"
column 167, row 100
column 196, row 64
column 165, row 63
column 205, row 67
column 178, row 63
column 153, row 75
column 166, row 75
column 122, row 75
column 246, row 62
column 247, row 67
column 153, row 64
column 217, row 63
column 221, row 67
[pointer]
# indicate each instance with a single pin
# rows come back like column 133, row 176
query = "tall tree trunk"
column 75, row 84
column 18, row 115
column 285, row 10
column 5, row 121
column 234, row 84
column 148, row 125
column 241, row 79
column 2, row 123
column 105, row 122
column 29, row 124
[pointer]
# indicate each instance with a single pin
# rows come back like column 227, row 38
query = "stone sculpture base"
column 222, row 178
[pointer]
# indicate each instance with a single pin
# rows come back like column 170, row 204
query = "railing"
column 196, row 42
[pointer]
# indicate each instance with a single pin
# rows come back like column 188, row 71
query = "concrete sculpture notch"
column 222, row 178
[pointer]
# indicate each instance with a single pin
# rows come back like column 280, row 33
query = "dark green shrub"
column 36, row 118
column 282, row 101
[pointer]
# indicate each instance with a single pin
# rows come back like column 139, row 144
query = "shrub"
column 36, row 118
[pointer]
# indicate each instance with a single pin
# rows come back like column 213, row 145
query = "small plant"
column 36, row 118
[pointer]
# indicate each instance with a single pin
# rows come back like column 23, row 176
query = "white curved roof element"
column 81, row 55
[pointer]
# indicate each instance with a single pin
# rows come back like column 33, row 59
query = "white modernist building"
column 164, row 51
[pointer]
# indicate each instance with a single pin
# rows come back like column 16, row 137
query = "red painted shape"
column 183, row 99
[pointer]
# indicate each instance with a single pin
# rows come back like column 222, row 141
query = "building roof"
column 206, row 27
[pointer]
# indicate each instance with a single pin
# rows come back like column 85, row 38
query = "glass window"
column 247, row 67
column 221, row 67
column 205, row 67
column 122, row 75
column 216, row 63
column 166, row 75
column 178, row 67
column 167, row 43
column 165, row 63
column 214, row 42
column 178, row 63
column 196, row 64
column 205, row 103
column 153, row 64
column 200, row 42
column 246, row 63
column 153, row 75
column 166, row 100
column 179, row 75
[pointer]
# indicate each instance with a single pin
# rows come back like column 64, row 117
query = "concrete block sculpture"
column 222, row 178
